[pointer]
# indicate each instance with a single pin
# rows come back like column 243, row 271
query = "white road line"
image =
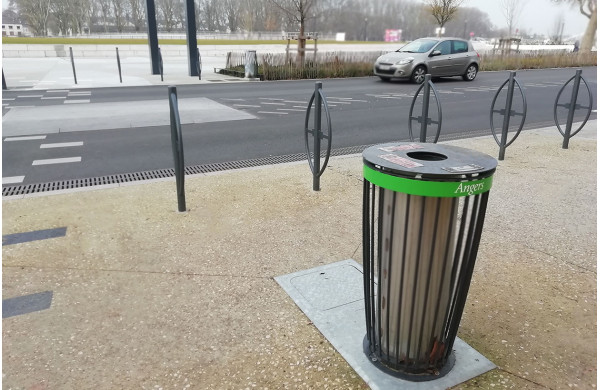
column 79, row 93
column 391, row 97
column 25, row 138
column 54, row 97
column 235, row 100
column 271, row 112
column 329, row 101
column 271, row 99
column 294, row 101
column 73, row 101
column 289, row 109
column 299, row 107
column 61, row 145
column 30, row 96
column 12, row 179
column 56, row 161
column 3, row 99
column 341, row 98
column 245, row 105
column 57, row 91
column 274, row 104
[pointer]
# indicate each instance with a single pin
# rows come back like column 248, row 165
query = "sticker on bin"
column 403, row 162
column 464, row 168
column 396, row 148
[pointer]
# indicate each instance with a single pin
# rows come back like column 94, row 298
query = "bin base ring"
column 407, row 376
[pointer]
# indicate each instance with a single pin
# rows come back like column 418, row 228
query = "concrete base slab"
column 332, row 297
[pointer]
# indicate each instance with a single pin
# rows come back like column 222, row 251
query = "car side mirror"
column 435, row 53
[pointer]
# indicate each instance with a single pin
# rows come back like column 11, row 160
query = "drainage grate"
column 164, row 173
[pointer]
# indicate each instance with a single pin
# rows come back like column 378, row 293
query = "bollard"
column 177, row 146
column 424, row 119
column 199, row 64
column 424, row 207
column 73, row 64
column 507, row 112
column 119, row 66
column 160, row 64
column 3, row 81
column 315, row 165
column 572, row 106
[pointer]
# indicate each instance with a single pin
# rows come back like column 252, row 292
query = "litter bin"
column 251, row 67
column 423, row 212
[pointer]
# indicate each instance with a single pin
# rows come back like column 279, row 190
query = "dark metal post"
column 572, row 104
column 3, row 81
column 425, row 109
column 507, row 109
column 190, row 33
column 317, row 138
column 177, row 146
column 160, row 64
column 152, row 36
column 119, row 65
column 73, row 64
column 199, row 65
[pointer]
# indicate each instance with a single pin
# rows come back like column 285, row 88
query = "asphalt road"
column 363, row 111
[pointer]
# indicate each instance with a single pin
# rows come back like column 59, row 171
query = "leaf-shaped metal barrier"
column 572, row 106
column 177, row 146
column 424, row 119
column 507, row 112
column 320, row 102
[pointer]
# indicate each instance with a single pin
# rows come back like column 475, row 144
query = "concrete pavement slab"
column 147, row 297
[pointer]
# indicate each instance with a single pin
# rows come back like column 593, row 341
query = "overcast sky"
column 538, row 16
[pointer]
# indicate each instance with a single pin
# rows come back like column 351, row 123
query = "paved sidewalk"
column 146, row 297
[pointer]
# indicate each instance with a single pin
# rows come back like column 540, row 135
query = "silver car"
column 436, row 56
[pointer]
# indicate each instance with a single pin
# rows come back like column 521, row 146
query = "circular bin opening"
column 427, row 156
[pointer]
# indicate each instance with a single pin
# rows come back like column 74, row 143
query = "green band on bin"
column 439, row 189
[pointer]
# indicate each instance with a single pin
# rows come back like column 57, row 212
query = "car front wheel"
column 418, row 75
column 470, row 73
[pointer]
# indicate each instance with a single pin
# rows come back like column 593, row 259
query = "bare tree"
column 298, row 11
column 36, row 13
column 511, row 9
column 443, row 10
column 105, row 10
column 119, row 9
column 587, row 8
column 168, row 9
column 137, row 14
column 556, row 33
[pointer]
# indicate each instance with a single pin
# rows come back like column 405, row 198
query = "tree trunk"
column 590, row 33
column 301, row 45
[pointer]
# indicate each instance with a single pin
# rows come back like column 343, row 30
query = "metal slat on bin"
column 423, row 212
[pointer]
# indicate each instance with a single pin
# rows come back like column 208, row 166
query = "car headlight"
column 405, row 61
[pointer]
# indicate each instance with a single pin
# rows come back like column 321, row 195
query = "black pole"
column 3, row 81
column 152, row 36
column 507, row 109
column 73, row 64
column 177, row 146
column 572, row 104
column 119, row 65
column 317, row 138
column 199, row 65
column 192, row 41
column 160, row 64
column 425, row 110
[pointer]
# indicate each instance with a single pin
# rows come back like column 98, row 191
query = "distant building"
column 15, row 30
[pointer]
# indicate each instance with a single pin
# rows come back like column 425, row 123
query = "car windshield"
column 418, row 46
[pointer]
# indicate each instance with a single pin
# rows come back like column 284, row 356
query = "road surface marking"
column 274, row 104
column 271, row 99
column 61, row 145
column 294, row 101
column 30, row 96
column 79, row 93
column 57, row 90
column 3, row 99
column 56, row 161
column 77, row 101
column 25, row 138
column 290, row 109
column 271, row 112
column 12, row 179
column 329, row 101
column 245, row 105
column 235, row 100
column 54, row 97
column 341, row 98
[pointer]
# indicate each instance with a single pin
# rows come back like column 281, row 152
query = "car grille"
column 385, row 71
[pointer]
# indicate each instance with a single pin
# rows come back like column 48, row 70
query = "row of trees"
column 359, row 19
